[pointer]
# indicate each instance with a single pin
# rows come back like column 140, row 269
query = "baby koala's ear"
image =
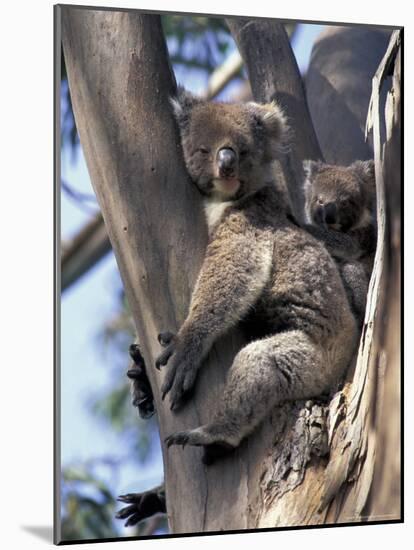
column 311, row 168
column 271, row 118
column 365, row 169
column 182, row 105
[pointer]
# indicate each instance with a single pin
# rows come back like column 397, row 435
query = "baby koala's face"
column 338, row 197
column 227, row 146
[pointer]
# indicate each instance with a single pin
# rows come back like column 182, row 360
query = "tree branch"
column 83, row 251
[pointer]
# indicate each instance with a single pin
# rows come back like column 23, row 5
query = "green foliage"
column 114, row 406
column 198, row 42
column 87, row 505
column 115, row 409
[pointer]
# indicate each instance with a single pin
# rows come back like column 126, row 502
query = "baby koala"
column 340, row 211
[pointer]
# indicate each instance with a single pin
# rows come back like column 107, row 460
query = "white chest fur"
column 214, row 212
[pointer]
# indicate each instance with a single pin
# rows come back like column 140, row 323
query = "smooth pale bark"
column 343, row 62
column 120, row 81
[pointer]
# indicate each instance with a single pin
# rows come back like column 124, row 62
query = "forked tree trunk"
column 342, row 64
column 120, row 80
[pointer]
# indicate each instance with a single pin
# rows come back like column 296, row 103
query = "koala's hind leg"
column 264, row 373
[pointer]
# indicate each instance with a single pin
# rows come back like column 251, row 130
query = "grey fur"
column 351, row 240
column 261, row 268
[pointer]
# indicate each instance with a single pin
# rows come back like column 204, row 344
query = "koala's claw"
column 182, row 368
column 162, row 359
column 134, row 373
column 165, row 338
column 167, row 341
column 177, row 399
column 136, row 356
column 142, row 396
column 179, row 382
column 140, row 506
column 178, row 438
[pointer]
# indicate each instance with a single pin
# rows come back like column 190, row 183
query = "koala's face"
column 339, row 197
column 227, row 146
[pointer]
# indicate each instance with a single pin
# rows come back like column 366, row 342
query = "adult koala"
column 259, row 267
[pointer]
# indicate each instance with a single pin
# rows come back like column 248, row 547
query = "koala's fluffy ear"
column 311, row 168
column 182, row 105
column 271, row 118
column 365, row 170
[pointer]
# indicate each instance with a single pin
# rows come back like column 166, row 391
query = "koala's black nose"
column 226, row 160
column 329, row 212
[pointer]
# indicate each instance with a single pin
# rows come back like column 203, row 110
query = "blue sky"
column 85, row 368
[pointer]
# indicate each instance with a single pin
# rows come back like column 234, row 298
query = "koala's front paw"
column 142, row 396
column 140, row 506
column 179, row 380
column 182, row 369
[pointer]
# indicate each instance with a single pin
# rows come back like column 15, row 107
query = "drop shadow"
column 40, row 531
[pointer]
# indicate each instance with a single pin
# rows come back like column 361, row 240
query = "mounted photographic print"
column 228, row 228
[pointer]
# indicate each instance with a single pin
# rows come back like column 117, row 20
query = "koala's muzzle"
column 325, row 213
column 329, row 213
column 226, row 162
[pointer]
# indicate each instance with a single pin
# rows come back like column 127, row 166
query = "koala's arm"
column 345, row 246
column 235, row 269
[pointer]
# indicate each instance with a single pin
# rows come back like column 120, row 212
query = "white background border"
column 26, row 219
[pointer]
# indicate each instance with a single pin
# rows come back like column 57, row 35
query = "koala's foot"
column 215, row 446
column 141, row 505
column 142, row 396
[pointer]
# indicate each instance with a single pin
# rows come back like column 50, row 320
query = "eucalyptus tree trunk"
column 120, row 81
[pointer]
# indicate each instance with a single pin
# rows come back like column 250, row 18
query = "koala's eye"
column 203, row 150
column 243, row 153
